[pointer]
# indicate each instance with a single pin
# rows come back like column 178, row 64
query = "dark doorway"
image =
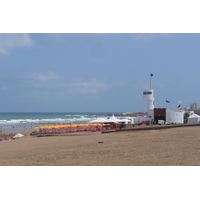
column 160, row 118
column 159, row 114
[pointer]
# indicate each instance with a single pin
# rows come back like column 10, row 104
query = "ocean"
column 26, row 121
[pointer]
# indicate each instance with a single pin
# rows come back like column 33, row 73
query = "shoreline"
column 27, row 121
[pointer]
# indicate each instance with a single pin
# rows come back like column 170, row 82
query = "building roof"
column 194, row 116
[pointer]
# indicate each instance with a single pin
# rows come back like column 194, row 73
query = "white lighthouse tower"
column 149, row 95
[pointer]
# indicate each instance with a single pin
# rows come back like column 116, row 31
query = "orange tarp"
column 70, row 126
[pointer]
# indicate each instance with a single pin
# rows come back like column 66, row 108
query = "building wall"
column 149, row 95
column 193, row 120
column 133, row 120
column 173, row 116
column 194, row 106
column 190, row 112
column 141, row 118
column 159, row 114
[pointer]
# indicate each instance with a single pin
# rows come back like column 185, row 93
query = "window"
column 144, row 93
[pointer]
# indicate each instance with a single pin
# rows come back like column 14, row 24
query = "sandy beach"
column 165, row 147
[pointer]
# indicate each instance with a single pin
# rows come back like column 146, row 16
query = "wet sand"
column 165, row 147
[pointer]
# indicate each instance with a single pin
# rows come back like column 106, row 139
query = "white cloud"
column 10, row 41
column 56, row 81
column 60, row 37
column 118, row 83
column 140, row 85
column 43, row 80
column 149, row 36
column 88, row 87
column 56, row 36
column 45, row 77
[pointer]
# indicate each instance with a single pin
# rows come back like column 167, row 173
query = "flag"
column 179, row 102
column 151, row 75
column 167, row 101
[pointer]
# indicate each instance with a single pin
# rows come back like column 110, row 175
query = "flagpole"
column 151, row 81
column 167, row 102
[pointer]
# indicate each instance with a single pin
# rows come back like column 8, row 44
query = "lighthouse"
column 149, row 95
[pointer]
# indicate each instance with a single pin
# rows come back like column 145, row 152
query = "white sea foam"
column 20, row 121
column 56, row 120
column 31, row 122
column 74, row 115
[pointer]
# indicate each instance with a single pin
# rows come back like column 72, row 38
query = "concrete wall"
column 173, row 116
column 140, row 119
column 149, row 95
column 159, row 114
column 133, row 120
column 193, row 120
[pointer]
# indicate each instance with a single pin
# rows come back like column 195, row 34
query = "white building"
column 149, row 95
column 194, row 106
column 175, row 116
column 171, row 116
column 193, row 119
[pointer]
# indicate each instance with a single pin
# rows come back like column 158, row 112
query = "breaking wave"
column 39, row 121
column 19, row 121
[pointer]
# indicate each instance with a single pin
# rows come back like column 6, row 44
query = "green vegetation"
column 186, row 115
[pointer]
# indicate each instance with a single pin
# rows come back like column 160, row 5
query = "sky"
column 98, row 57
column 93, row 72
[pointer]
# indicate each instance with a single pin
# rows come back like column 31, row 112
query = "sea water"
column 26, row 121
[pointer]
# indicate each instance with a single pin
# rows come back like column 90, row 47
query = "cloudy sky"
column 97, row 72
column 92, row 57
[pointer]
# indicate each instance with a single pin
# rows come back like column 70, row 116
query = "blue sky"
column 97, row 72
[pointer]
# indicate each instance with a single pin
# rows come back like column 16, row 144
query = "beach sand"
column 164, row 147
